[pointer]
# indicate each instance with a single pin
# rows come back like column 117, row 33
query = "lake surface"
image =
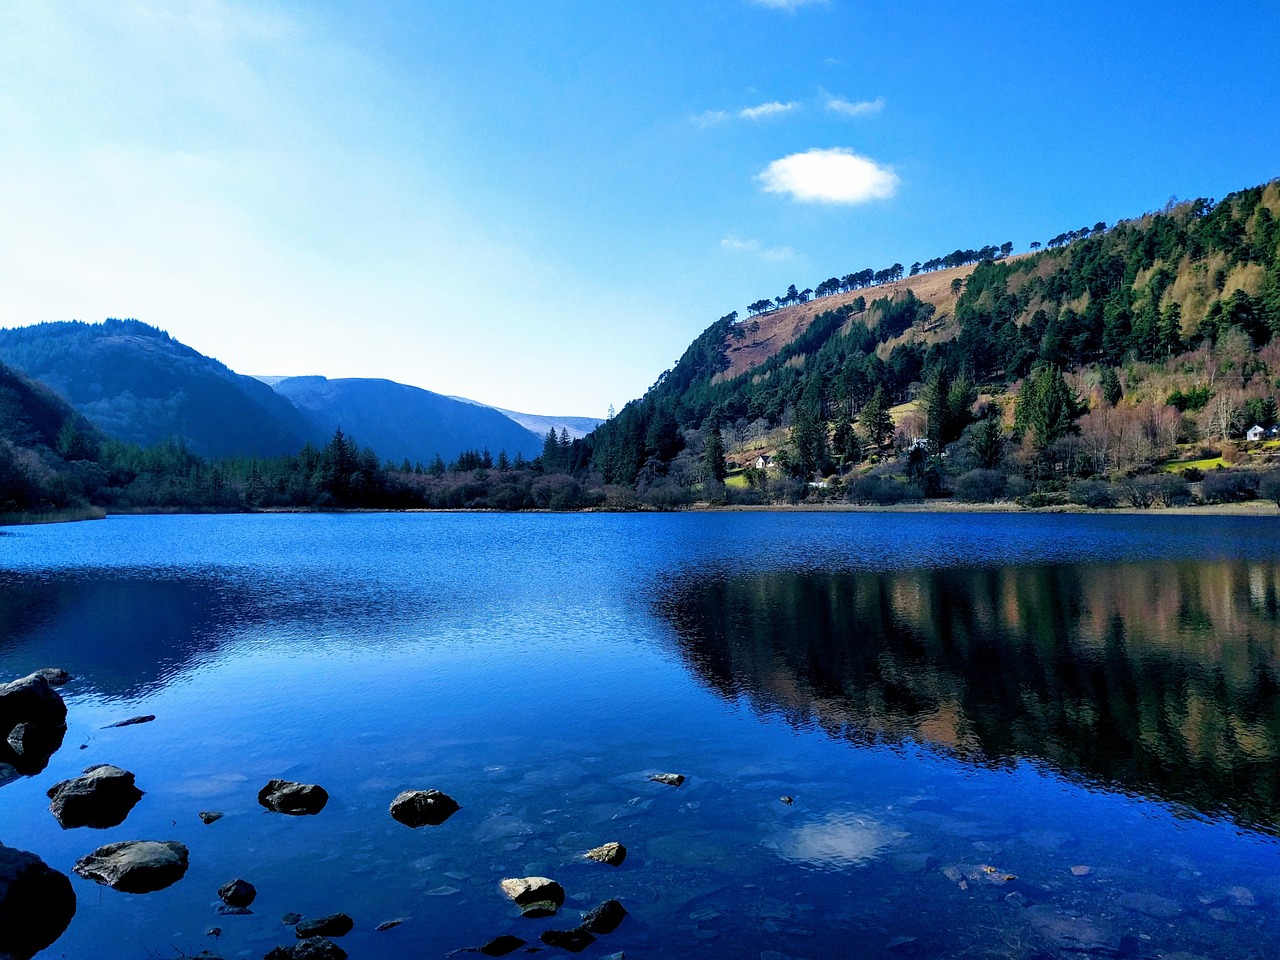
column 1004, row 736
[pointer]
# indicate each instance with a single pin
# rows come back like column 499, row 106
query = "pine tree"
column 713, row 453
column 875, row 420
column 1111, row 391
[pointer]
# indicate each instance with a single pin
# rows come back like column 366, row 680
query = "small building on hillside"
column 762, row 461
column 1255, row 433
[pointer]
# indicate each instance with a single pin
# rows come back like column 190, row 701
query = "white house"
column 1254, row 433
column 762, row 461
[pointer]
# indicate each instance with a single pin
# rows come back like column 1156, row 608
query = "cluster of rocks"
column 37, row 902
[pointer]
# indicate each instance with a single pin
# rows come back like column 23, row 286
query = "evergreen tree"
column 1111, row 392
column 1046, row 409
column 875, row 420
column 713, row 452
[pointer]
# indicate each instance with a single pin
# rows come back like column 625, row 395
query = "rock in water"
column 295, row 799
column 334, row 925
column 135, row 866
column 390, row 924
column 526, row 890
column 539, row 909
column 30, row 745
column 237, row 893
column 132, row 721
column 30, row 699
column 423, row 808
column 210, row 816
column 501, row 946
column 575, row 941
column 36, row 904
column 316, row 948
column 101, row 798
column 54, row 676
column 610, row 853
column 670, row 779
column 604, row 918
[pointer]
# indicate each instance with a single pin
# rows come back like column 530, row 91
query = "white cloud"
column 709, row 118
column 861, row 108
column 789, row 5
column 829, row 176
column 765, row 110
column 755, row 247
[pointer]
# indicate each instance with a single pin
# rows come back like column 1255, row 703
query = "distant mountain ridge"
column 137, row 383
column 401, row 422
column 577, row 427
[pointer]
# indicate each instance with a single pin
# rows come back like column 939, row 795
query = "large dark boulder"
column 36, row 904
column 135, row 866
column 101, row 798
column 30, row 699
column 314, row 948
column 604, row 918
column 295, row 799
column 32, row 723
column 419, row 808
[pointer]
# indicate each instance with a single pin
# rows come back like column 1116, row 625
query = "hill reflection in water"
column 1157, row 679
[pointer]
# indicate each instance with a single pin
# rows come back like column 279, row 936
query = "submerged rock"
column 132, row 721
column 294, row 799
column 538, row 909
column 334, row 925
column 389, row 924
column 670, row 779
column 237, row 893
column 1066, row 932
column 501, row 946
column 527, row 890
column 610, row 853
column 575, row 941
column 36, row 904
column 102, row 797
column 1153, row 905
column 210, row 816
column 315, row 948
column 423, row 808
column 135, row 866
column 30, row 745
column 604, row 918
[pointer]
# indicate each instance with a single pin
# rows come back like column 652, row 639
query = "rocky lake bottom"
column 899, row 736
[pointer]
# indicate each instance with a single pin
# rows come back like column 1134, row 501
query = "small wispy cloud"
column 771, row 109
column 837, row 176
column 789, row 5
column 756, row 248
column 858, row 108
column 710, row 118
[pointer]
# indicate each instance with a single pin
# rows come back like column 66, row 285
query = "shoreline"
column 1247, row 509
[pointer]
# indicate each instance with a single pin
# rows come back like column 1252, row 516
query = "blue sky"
column 538, row 205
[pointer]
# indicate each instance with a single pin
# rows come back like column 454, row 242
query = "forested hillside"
column 1100, row 356
column 138, row 384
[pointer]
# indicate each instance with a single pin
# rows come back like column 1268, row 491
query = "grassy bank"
column 53, row 516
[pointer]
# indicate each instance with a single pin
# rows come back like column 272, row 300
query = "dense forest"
column 1072, row 372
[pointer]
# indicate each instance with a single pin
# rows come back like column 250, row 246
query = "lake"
column 1001, row 736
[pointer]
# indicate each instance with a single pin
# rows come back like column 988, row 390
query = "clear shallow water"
column 951, row 700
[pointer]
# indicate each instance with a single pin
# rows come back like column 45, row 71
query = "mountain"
column 401, row 422
column 576, row 427
column 137, row 383
column 1169, row 319
column 39, row 434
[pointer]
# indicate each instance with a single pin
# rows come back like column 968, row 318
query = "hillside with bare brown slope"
column 780, row 327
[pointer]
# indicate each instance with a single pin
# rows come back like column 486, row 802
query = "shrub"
column 1193, row 474
column 980, row 486
column 1172, row 490
column 557, row 492
column 1269, row 486
column 1230, row 486
column 1092, row 493
column 882, row 491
